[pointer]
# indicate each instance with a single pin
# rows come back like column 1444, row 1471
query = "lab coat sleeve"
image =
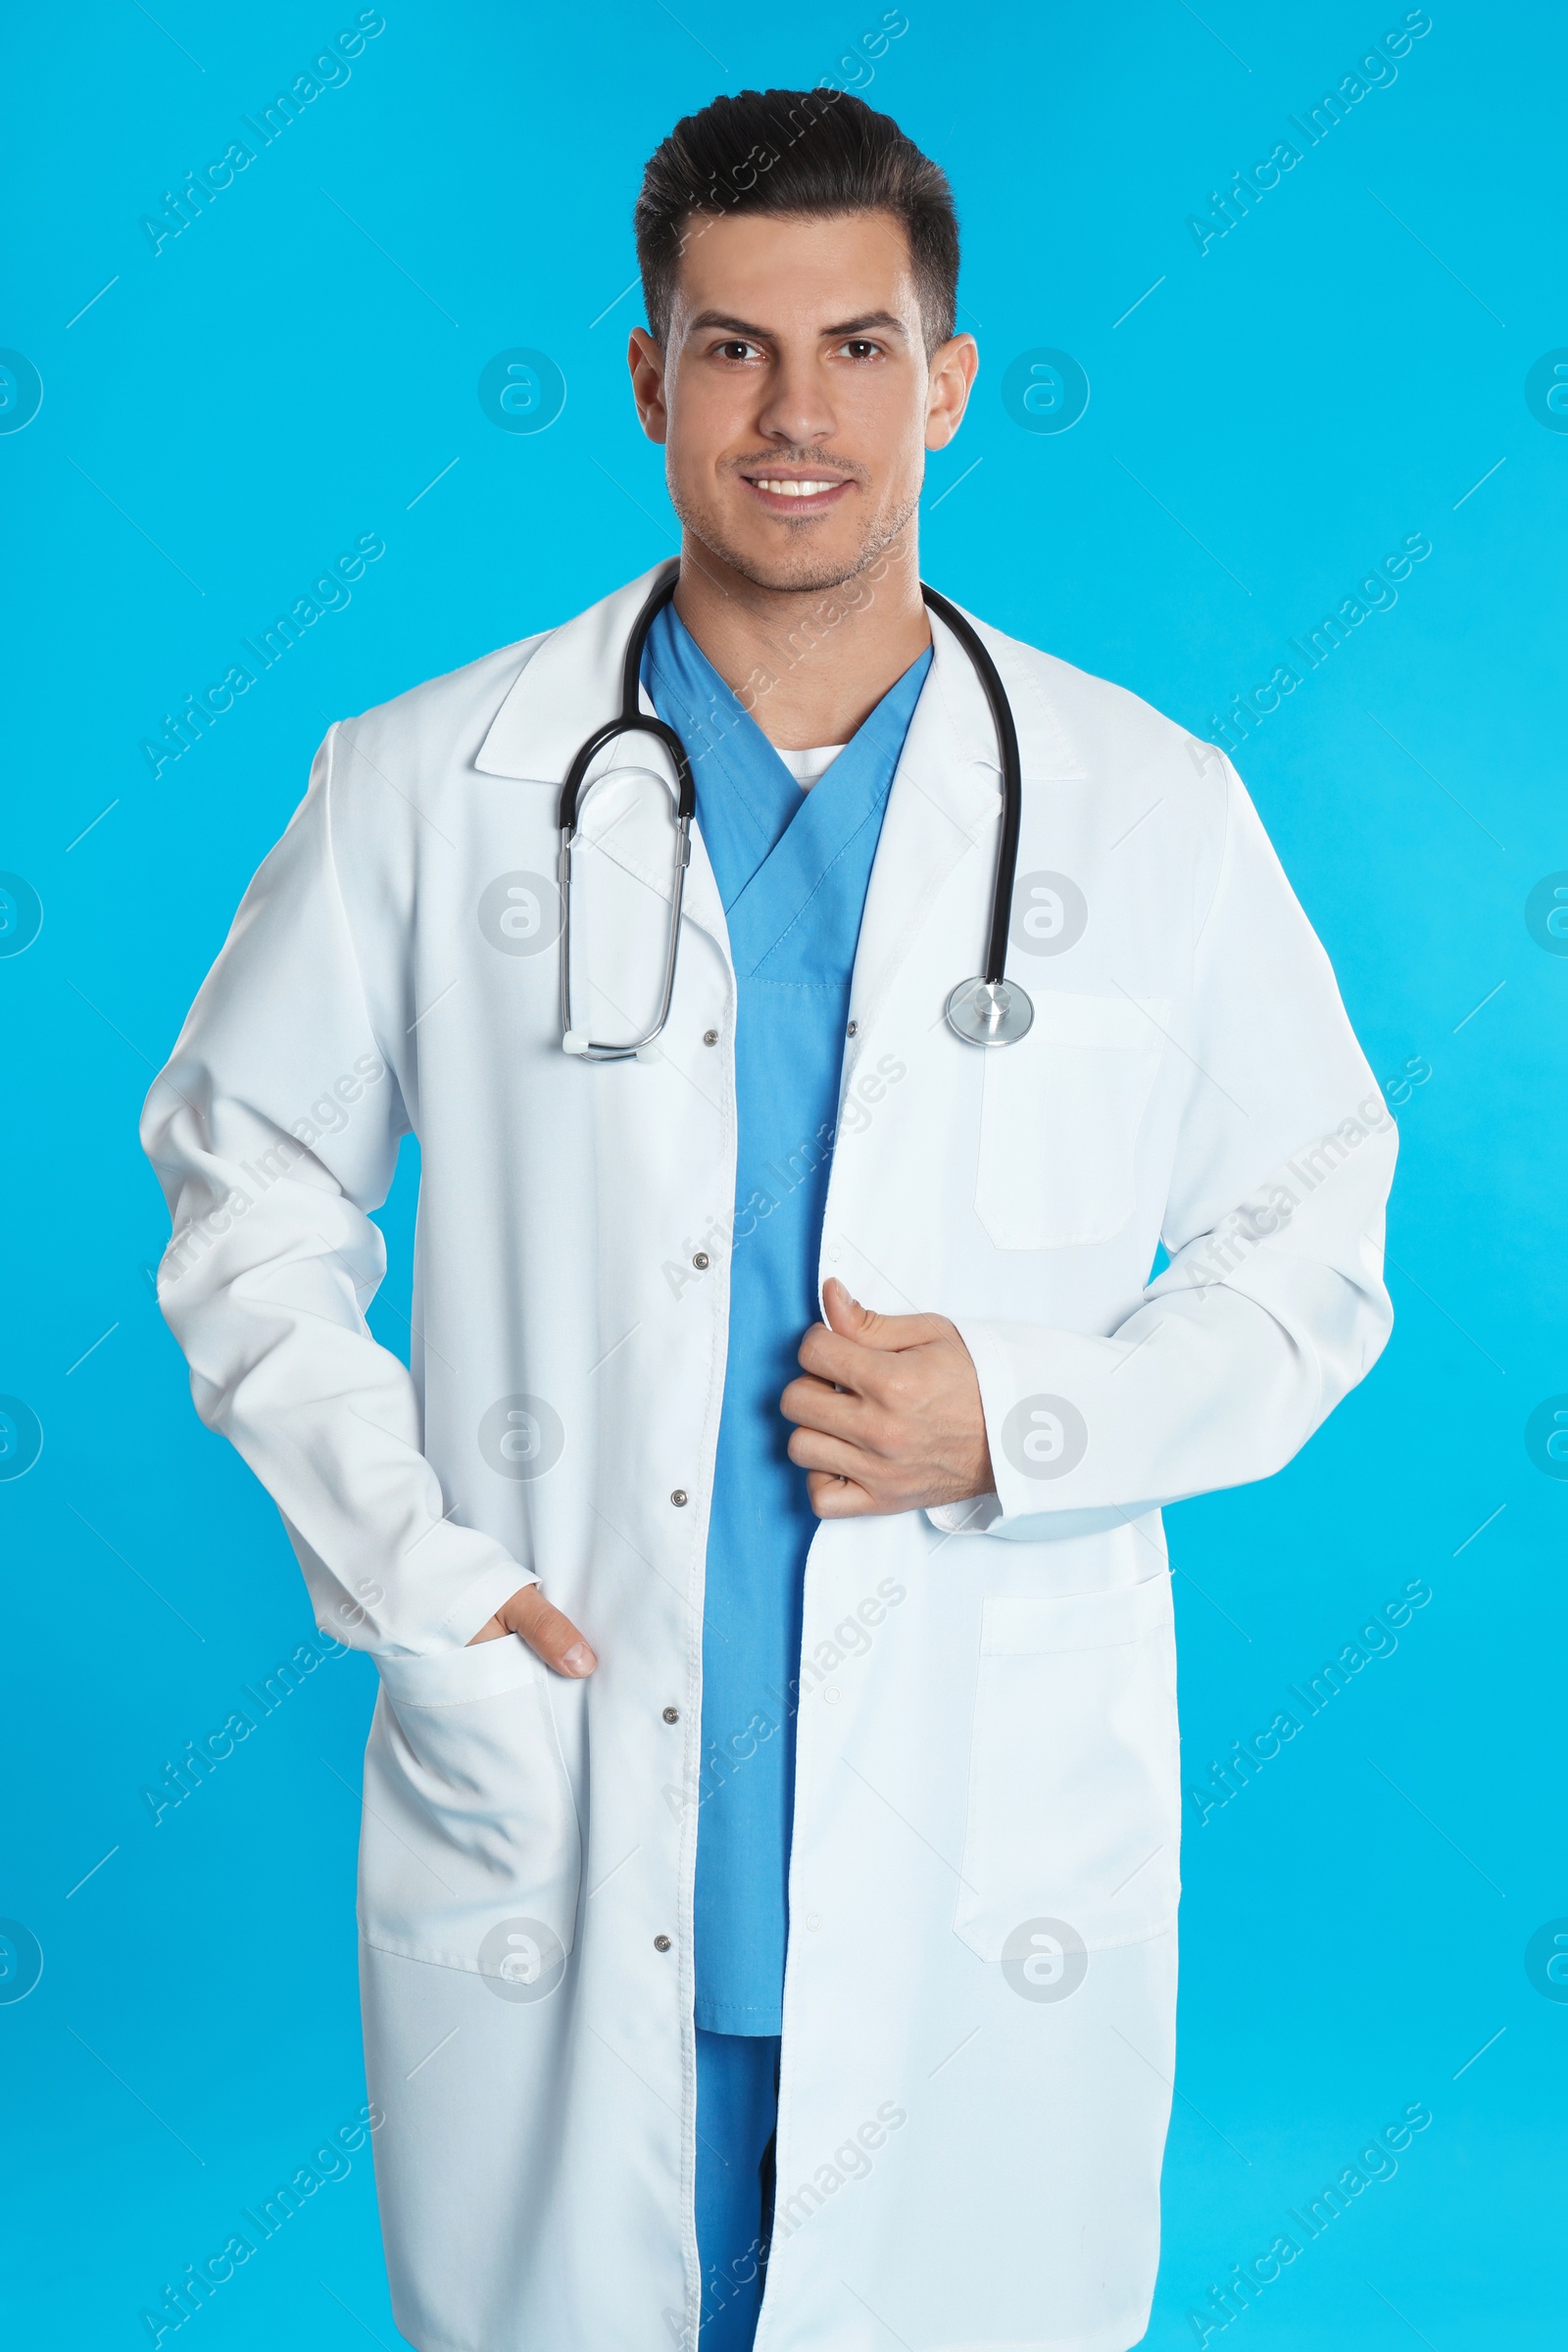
column 1273, row 1305
column 274, row 1130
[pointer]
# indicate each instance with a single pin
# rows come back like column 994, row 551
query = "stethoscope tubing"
column 1011, row 780
column 632, row 720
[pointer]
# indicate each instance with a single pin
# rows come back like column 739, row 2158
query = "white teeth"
column 793, row 489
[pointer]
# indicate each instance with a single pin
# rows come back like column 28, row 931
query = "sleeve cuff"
column 481, row 1599
column 970, row 1518
column 1035, row 1390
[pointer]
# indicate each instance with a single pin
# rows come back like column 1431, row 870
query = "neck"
column 810, row 664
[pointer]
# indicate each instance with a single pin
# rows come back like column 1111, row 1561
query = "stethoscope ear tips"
column 990, row 1012
column 573, row 1043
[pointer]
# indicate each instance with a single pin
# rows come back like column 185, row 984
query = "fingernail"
column 578, row 1659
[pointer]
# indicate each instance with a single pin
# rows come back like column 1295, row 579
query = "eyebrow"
column 884, row 321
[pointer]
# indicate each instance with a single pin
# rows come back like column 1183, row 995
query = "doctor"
column 769, row 1868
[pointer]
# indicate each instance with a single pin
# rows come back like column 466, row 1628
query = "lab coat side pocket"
column 1074, row 1807
column 1060, row 1116
column 469, row 1827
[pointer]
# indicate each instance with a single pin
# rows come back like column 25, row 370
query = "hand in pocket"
column 548, row 1631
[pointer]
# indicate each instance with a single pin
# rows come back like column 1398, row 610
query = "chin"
column 790, row 558
column 805, row 568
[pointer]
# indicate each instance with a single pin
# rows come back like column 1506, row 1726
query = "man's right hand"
column 549, row 1632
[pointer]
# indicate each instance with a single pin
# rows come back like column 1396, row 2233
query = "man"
column 769, row 1868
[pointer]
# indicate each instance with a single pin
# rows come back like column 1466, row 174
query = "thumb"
column 869, row 1328
column 846, row 1315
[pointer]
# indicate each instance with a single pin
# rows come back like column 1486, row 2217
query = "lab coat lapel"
column 944, row 810
column 940, row 812
column 570, row 686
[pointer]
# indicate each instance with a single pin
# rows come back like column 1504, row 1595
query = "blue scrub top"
column 792, row 868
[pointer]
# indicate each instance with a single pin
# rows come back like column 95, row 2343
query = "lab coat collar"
column 570, row 685
column 944, row 806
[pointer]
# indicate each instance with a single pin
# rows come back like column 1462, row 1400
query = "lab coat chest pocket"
column 1074, row 1808
column 1060, row 1117
column 468, row 1814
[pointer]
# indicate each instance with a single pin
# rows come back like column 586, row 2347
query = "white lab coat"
column 978, row 2014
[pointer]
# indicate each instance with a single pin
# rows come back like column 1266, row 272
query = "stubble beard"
column 799, row 569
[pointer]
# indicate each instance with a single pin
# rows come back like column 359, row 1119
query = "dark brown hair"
column 807, row 153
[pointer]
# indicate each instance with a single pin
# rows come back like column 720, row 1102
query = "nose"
column 797, row 409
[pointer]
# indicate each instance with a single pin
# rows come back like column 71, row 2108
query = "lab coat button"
column 660, row 1943
column 700, row 1262
column 831, row 1696
column 854, row 1029
column 672, row 1714
column 678, row 1498
column 710, row 1037
column 813, row 1919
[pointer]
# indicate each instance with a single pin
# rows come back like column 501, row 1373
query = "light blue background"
column 291, row 372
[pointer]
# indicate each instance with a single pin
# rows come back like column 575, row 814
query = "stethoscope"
column 989, row 1010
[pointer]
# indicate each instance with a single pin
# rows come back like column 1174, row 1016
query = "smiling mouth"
column 796, row 493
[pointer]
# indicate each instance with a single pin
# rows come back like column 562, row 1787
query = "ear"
column 954, row 366
column 646, row 361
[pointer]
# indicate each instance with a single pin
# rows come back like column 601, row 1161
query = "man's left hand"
column 888, row 1416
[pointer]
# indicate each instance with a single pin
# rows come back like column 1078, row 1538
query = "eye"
column 736, row 349
column 859, row 348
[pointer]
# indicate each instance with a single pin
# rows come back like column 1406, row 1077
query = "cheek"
column 884, row 420
column 708, row 405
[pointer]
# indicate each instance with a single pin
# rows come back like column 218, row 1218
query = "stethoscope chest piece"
column 990, row 1012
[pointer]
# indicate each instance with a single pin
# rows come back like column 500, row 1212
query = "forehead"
column 782, row 269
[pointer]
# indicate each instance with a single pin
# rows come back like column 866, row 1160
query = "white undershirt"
column 809, row 767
